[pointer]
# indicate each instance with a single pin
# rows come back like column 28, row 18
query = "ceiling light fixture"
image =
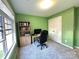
column 46, row 4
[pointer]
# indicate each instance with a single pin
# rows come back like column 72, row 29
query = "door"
column 55, row 28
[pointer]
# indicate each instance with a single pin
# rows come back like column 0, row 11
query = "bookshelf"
column 24, row 33
column 24, row 28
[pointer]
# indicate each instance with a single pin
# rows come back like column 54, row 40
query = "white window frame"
column 4, row 11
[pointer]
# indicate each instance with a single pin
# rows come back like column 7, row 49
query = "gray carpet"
column 34, row 52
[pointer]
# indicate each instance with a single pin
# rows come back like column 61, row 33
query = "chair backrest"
column 43, row 37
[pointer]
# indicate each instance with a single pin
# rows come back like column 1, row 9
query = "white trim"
column 8, row 56
column 64, row 45
column 77, row 47
column 6, row 10
column 67, row 45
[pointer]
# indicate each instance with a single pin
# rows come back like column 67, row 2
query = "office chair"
column 43, row 38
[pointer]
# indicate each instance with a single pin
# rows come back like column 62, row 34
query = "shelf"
column 23, row 26
column 24, row 23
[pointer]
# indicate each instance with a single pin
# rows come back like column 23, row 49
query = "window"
column 8, row 32
column 1, row 39
column 1, row 50
column 6, row 35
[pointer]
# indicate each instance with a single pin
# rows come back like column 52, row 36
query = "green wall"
column 77, row 27
column 67, row 26
column 70, row 22
column 36, row 22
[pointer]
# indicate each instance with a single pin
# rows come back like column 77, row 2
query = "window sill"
column 9, row 54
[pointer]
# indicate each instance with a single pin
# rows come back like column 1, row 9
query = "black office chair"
column 43, row 38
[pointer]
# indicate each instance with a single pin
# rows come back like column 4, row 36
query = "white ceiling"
column 31, row 7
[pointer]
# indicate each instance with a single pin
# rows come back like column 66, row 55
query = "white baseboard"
column 64, row 45
column 67, row 45
column 77, row 47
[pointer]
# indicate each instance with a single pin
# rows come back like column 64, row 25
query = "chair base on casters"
column 42, row 45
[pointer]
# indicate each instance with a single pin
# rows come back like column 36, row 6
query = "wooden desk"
column 34, row 36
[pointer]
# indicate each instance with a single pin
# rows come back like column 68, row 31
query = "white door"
column 55, row 28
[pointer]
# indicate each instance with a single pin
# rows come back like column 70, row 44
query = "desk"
column 34, row 36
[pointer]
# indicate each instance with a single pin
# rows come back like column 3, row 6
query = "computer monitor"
column 37, row 31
